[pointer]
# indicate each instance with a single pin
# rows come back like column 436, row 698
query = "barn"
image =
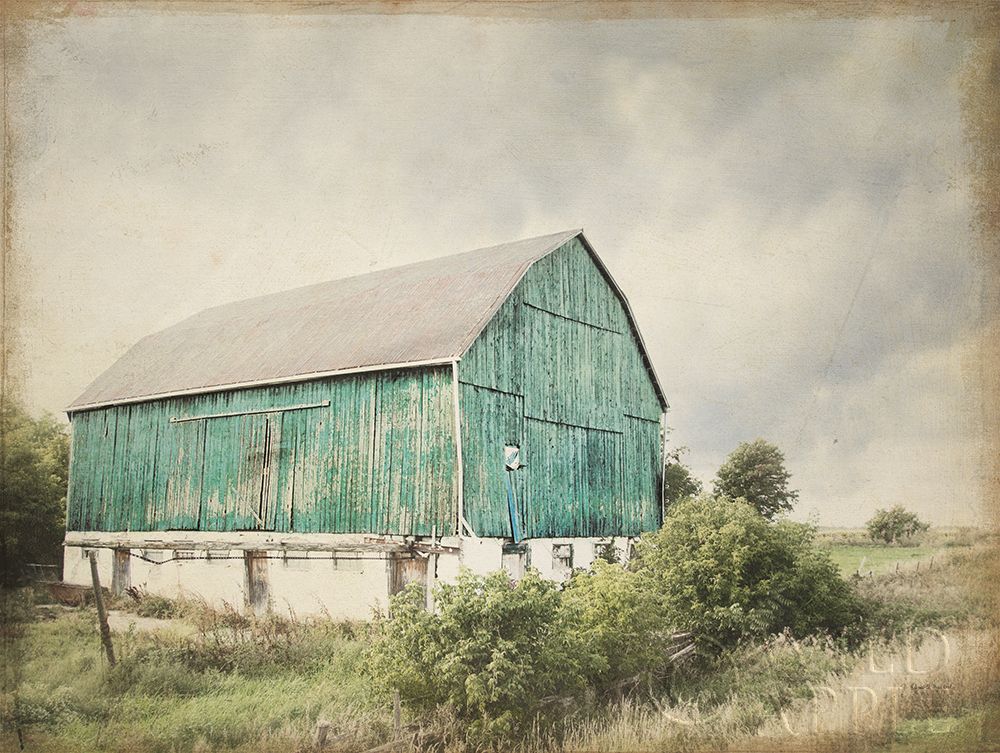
column 319, row 448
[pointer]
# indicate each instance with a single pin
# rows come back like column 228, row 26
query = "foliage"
column 621, row 620
column 678, row 481
column 894, row 525
column 608, row 553
column 221, row 680
column 755, row 471
column 34, row 465
column 160, row 607
column 726, row 574
column 499, row 654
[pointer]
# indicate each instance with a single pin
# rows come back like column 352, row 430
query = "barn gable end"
column 561, row 373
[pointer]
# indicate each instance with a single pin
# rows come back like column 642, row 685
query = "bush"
column 895, row 525
column 725, row 573
column 621, row 621
column 501, row 655
column 160, row 607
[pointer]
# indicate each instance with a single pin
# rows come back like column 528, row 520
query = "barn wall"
column 559, row 373
column 379, row 458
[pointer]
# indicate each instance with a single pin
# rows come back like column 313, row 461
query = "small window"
column 514, row 560
column 183, row 554
column 562, row 557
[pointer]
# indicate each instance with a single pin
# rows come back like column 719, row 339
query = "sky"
column 786, row 202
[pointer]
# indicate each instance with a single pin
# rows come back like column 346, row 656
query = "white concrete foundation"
column 343, row 585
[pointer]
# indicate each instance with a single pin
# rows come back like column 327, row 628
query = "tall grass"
column 810, row 695
column 712, row 705
column 229, row 681
column 236, row 682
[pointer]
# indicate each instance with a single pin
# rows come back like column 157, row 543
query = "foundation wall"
column 342, row 585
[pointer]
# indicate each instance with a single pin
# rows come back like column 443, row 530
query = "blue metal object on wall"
column 511, row 462
column 515, row 528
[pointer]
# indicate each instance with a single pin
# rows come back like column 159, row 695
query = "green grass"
column 852, row 550
column 975, row 730
column 880, row 559
column 236, row 684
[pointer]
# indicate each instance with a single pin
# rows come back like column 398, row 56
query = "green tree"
column 722, row 571
column 678, row 481
column 755, row 471
column 34, row 466
column 894, row 525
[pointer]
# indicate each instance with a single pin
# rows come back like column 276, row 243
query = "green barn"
column 492, row 408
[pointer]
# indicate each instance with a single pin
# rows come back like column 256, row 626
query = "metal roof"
column 423, row 313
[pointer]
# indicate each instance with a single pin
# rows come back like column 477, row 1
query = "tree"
column 678, row 481
column 755, row 471
column 34, row 466
column 896, row 524
column 723, row 572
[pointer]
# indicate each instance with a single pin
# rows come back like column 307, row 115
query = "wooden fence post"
column 102, row 615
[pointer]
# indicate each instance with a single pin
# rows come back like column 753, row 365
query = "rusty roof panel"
column 428, row 311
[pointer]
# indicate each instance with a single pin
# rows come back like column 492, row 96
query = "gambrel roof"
column 418, row 314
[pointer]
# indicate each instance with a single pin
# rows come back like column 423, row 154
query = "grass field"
column 881, row 559
column 231, row 683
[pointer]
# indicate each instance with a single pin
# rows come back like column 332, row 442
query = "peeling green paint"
column 559, row 372
column 379, row 458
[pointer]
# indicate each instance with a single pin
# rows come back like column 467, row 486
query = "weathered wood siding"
column 559, row 373
column 380, row 458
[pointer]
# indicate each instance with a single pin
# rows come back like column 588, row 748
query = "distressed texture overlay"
column 801, row 201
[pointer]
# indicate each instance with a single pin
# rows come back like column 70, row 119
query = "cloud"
column 783, row 201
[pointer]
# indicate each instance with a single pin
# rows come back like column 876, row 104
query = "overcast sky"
column 785, row 202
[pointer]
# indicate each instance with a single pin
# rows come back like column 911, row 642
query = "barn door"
column 233, row 474
column 121, row 573
column 405, row 569
column 256, row 587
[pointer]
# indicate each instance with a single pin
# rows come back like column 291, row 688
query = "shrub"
column 621, row 621
column 160, row 607
column 726, row 574
column 895, row 525
column 499, row 654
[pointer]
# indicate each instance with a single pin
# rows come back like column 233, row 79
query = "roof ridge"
column 425, row 310
column 372, row 273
